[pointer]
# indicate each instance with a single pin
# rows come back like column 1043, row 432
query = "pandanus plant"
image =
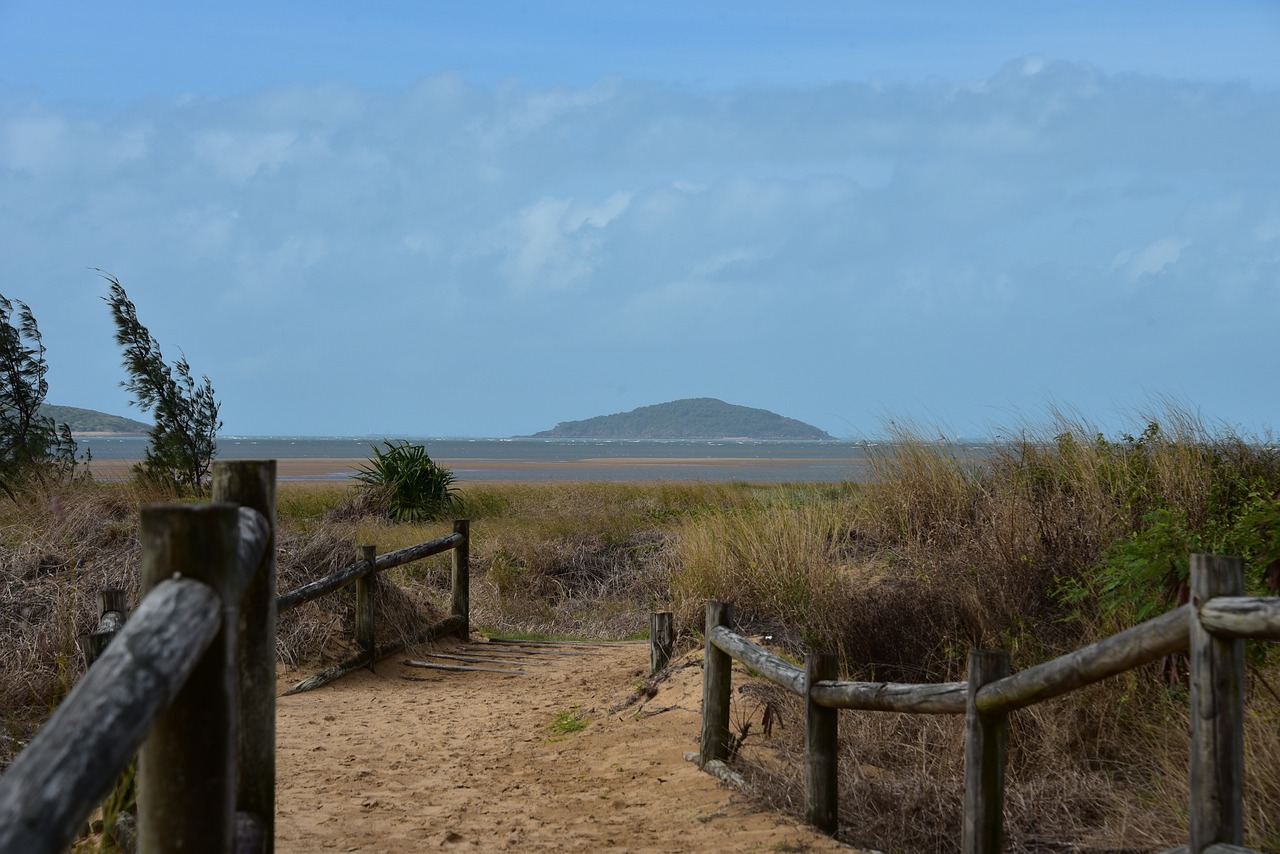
column 415, row 487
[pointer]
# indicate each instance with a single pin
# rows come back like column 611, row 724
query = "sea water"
column 770, row 461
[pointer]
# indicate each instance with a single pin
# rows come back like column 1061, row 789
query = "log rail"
column 1212, row 626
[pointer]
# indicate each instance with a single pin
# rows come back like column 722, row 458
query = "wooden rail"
column 189, row 683
column 364, row 575
column 1213, row 626
column 353, row 572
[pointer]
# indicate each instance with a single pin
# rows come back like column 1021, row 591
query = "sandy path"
column 467, row 761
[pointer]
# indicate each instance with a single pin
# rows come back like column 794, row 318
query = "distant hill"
column 92, row 421
column 695, row 418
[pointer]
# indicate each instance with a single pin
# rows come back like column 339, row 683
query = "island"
column 697, row 418
column 92, row 421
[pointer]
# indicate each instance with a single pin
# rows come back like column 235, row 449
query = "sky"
column 484, row 218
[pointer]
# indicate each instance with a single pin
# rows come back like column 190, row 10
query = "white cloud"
column 206, row 231
column 553, row 244
column 721, row 261
column 1268, row 229
column 272, row 276
column 34, row 144
column 44, row 144
column 672, row 309
column 1151, row 259
column 239, row 155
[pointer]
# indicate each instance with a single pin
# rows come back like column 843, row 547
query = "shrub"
column 416, row 487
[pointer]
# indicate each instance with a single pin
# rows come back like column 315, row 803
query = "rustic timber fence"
column 364, row 575
column 1213, row 626
column 189, row 682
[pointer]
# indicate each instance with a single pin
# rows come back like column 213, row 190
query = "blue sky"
column 484, row 218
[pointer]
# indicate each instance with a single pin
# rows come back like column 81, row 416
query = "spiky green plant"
column 416, row 487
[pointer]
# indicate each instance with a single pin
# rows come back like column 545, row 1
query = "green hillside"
column 92, row 421
column 695, row 418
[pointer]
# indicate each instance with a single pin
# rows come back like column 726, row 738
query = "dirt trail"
column 468, row 761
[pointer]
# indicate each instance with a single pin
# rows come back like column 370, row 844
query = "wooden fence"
column 1213, row 626
column 189, row 682
column 364, row 575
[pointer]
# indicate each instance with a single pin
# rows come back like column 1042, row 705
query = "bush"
column 416, row 488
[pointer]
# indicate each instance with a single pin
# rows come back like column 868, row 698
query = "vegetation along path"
column 409, row 758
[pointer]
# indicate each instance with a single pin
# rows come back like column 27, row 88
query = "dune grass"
column 1048, row 541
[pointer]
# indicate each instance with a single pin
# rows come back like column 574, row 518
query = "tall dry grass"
column 1052, row 538
column 777, row 564
column 60, row 544
column 584, row 559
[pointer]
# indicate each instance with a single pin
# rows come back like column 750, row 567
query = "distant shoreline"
column 473, row 470
column 100, row 433
column 333, row 459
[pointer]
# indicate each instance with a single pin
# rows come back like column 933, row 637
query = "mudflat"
column 335, row 467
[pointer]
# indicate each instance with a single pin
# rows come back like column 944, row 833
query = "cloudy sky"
column 482, row 218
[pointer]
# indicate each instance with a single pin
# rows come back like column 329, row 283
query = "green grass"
column 567, row 722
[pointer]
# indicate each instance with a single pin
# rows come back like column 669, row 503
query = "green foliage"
column 417, row 489
column 186, row 412
column 1146, row 572
column 31, row 444
column 567, row 722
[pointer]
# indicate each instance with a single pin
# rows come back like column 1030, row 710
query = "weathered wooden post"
column 460, row 578
column 1217, row 712
column 112, row 608
column 187, row 766
column 717, row 675
column 661, row 640
column 821, row 754
column 111, row 617
column 985, row 744
column 252, row 484
column 366, row 594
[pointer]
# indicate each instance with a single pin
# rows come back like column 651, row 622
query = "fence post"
column 366, row 593
column 717, row 675
column 661, row 640
column 187, row 766
column 985, row 743
column 1217, row 711
column 460, row 606
column 821, row 748
column 111, row 602
column 111, row 617
column 252, row 484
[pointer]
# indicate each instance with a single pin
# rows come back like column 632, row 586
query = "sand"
column 339, row 469
column 468, row 761
column 317, row 467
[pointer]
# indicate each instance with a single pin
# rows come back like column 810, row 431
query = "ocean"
column 540, row 459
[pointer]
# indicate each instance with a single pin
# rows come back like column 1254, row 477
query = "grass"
column 1055, row 538
column 566, row 722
